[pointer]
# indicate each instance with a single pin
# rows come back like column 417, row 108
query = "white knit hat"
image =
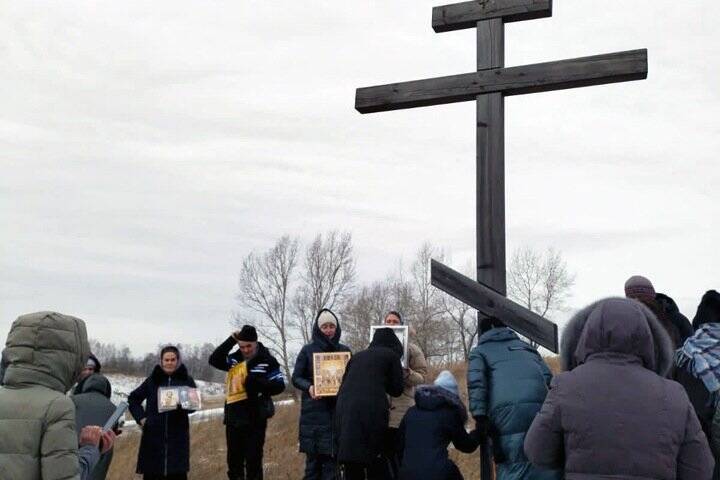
column 326, row 316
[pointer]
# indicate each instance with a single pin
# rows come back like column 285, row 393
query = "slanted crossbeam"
column 492, row 304
column 539, row 77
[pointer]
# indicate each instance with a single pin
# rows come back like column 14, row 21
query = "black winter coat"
column 427, row 429
column 165, row 442
column 362, row 412
column 316, row 416
column 264, row 379
column 680, row 321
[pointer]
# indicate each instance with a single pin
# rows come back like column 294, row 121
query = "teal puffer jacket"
column 508, row 382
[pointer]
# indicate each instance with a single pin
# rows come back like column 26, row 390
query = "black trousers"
column 176, row 476
column 245, row 451
column 355, row 471
column 319, row 467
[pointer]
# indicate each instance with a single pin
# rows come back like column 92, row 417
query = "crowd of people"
column 637, row 399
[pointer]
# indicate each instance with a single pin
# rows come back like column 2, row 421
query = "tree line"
column 281, row 289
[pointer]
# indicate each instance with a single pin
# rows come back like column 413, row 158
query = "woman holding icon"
column 165, row 444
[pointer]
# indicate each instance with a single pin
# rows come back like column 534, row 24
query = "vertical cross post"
column 490, row 173
column 490, row 165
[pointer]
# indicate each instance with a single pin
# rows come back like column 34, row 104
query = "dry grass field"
column 282, row 459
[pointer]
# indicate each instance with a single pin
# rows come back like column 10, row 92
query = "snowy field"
column 122, row 385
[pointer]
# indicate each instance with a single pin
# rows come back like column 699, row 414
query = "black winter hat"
column 247, row 334
column 93, row 362
column 488, row 323
column 709, row 309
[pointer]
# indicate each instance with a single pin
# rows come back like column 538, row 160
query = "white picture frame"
column 402, row 332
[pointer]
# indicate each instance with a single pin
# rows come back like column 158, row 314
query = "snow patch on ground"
column 122, row 385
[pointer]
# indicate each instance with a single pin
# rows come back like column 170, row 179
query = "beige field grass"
column 282, row 459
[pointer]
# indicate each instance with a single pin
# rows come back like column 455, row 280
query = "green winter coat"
column 45, row 352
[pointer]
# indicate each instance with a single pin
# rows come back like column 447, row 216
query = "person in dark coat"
column 663, row 307
column 164, row 452
column 507, row 384
column 253, row 376
column 93, row 407
column 672, row 311
column 316, row 415
column 612, row 414
column 427, row 429
column 91, row 366
column 362, row 411
column 697, row 364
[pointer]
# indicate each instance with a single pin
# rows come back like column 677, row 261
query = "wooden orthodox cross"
column 489, row 86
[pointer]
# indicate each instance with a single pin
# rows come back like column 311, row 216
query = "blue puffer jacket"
column 508, row 382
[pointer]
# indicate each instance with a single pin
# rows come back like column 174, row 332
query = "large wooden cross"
column 489, row 86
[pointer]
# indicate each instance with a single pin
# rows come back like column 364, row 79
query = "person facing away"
column 362, row 411
column 612, row 414
column 93, row 407
column 663, row 307
column 316, row 414
column 413, row 375
column 164, row 451
column 253, row 376
column 44, row 354
column 507, row 384
column 697, row 365
column 437, row 418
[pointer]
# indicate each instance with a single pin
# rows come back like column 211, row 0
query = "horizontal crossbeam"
column 492, row 304
column 458, row 16
column 539, row 77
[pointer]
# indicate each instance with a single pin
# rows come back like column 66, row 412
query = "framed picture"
column 328, row 371
column 170, row 397
column 402, row 333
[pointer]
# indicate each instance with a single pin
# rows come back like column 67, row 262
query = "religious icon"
column 328, row 371
column 168, row 398
column 402, row 333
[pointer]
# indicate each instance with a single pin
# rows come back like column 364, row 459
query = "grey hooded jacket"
column 45, row 352
column 93, row 407
column 613, row 415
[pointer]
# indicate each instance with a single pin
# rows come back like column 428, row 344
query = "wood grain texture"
column 492, row 304
column 458, row 16
column 539, row 77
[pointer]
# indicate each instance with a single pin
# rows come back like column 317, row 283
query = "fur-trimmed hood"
column 618, row 326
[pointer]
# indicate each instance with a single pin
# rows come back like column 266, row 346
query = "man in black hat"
column 253, row 376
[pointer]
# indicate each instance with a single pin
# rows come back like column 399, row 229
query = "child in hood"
column 427, row 429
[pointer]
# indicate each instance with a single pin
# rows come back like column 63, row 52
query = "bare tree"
column 427, row 311
column 265, row 289
column 539, row 281
column 463, row 320
column 367, row 307
column 327, row 278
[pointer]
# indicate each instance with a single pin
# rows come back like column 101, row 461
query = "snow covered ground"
column 122, row 385
column 200, row 416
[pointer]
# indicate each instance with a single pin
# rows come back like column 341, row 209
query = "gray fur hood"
column 617, row 326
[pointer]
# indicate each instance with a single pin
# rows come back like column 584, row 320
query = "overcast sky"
column 147, row 147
